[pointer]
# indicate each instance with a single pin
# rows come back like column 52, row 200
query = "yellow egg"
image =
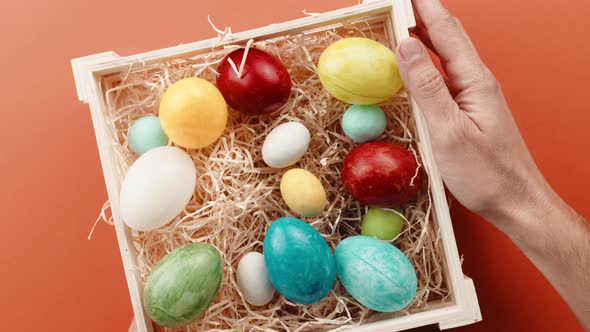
column 303, row 192
column 193, row 113
column 359, row 71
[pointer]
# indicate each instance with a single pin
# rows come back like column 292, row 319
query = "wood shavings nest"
column 237, row 196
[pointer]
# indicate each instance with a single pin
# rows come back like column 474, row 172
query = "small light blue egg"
column 299, row 262
column 145, row 134
column 363, row 123
column 375, row 273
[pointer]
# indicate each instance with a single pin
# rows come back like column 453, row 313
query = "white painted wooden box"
column 89, row 71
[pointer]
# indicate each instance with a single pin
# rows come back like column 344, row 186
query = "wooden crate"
column 90, row 71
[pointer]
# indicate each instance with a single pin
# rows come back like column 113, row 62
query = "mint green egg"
column 145, row 134
column 363, row 123
column 183, row 284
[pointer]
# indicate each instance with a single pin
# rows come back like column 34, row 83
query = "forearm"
column 557, row 240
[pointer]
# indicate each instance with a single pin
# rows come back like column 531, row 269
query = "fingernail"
column 410, row 49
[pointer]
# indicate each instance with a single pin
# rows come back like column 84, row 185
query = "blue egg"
column 375, row 273
column 146, row 134
column 363, row 123
column 299, row 263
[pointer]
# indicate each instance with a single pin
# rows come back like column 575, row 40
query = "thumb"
column 425, row 83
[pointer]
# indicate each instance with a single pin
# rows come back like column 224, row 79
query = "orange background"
column 52, row 188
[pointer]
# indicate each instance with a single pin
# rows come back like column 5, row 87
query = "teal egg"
column 145, row 134
column 363, row 123
column 375, row 273
column 299, row 262
column 183, row 284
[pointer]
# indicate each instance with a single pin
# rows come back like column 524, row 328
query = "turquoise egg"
column 363, row 123
column 299, row 263
column 375, row 273
column 146, row 134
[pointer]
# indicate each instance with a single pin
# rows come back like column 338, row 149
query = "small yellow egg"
column 303, row 192
column 193, row 113
column 359, row 71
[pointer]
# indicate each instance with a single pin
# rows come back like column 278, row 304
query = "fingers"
column 426, row 84
column 421, row 32
column 450, row 41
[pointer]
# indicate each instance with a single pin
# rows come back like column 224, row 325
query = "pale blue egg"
column 145, row 134
column 363, row 123
column 375, row 273
column 299, row 262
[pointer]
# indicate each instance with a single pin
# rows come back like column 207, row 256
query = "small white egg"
column 253, row 279
column 285, row 144
column 157, row 188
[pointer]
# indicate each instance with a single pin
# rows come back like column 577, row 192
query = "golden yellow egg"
column 303, row 192
column 193, row 113
column 359, row 71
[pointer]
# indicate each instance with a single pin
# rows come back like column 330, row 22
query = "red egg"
column 264, row 86
column 380, row 174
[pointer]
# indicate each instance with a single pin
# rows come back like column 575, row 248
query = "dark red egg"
column 265, row 84
column 379, row 174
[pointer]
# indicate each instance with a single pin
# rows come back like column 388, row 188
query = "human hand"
column 476, row 143
column 483, row 158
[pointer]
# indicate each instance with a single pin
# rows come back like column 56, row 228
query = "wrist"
column 524, row 213
column 534, row 217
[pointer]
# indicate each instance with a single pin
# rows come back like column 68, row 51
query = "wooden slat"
column 274, row 30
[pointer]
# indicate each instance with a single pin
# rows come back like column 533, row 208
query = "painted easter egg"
column 156, row 188
column 303, row 192
column 265, row 84
column 375, row 273
column 182, row 285
column 253, row 279
column 383, row 224
column 299, row 262
column 381, row 174
column 145, row 134
column 359, row 71
column 285, row 144
column 363, row 123
column 193, row 113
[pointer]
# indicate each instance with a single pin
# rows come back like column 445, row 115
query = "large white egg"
column 157, row 188
column 285, row 144
column 253, row 279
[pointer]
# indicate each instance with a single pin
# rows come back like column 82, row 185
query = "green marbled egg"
column 183, row 284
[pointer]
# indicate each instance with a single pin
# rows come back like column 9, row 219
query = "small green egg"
column 363, row 123
column 146, row 134
column 382, row 224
